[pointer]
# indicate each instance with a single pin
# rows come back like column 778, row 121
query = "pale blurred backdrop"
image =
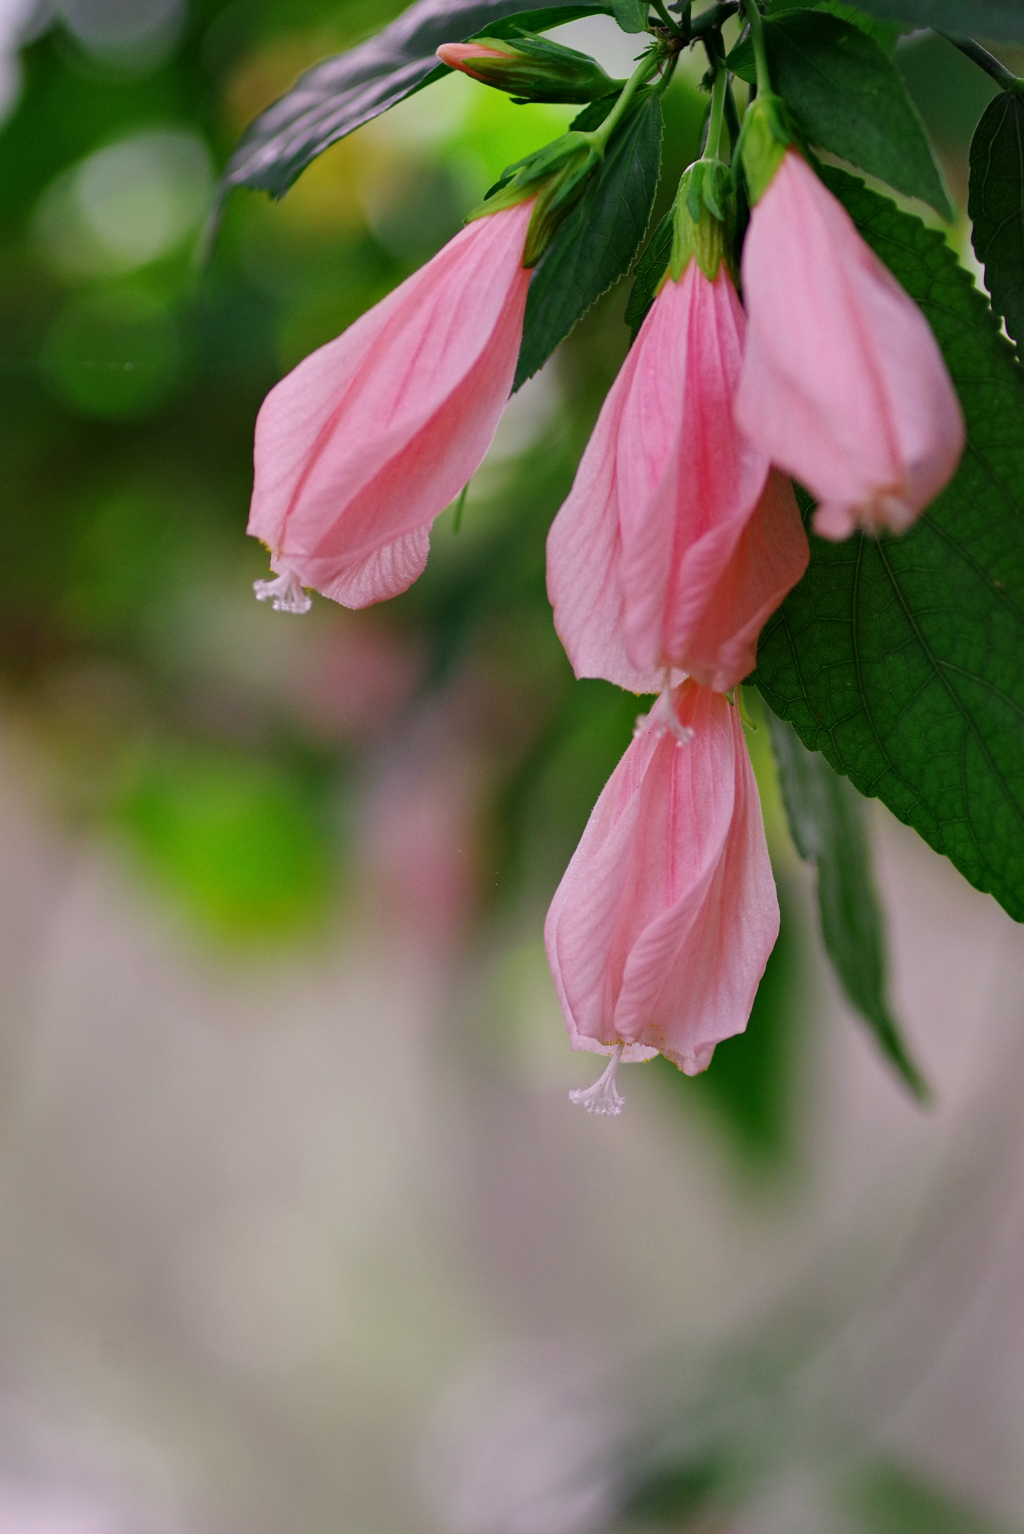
column 298, row 1229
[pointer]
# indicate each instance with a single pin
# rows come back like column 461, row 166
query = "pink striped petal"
column 843, row 384
column 660, row 930
column 366, row 441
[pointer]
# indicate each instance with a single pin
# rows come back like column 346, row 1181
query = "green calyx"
column 556, row 176
column 704, row 215
column 533, row 69
column 767, row 134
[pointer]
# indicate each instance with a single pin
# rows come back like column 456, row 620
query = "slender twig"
column 986, row 61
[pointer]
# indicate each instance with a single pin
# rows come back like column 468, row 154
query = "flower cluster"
column 681, row 534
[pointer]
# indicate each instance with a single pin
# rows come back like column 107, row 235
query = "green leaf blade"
column 631, row 15
column 847, row 96
column 996, row 206
column 595, row 244
column 828, row 824
column 649, row 271
column 902, row 660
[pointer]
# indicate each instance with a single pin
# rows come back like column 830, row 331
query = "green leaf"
column 996, row 206
column 595, row 244
column 1000, row 20
column 829, row 828
column 340, row 94
column 902, row 659
column 885, row 33
column 631, row 15
column 847, row 96
column 649, row 271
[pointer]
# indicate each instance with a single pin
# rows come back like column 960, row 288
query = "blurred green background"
column 269, row 785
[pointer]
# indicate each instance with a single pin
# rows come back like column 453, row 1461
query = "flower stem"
column 600, row 136
column 673, row 26
column 764, row 79
column 713, row 17
column 988, row 62
column 711, row 148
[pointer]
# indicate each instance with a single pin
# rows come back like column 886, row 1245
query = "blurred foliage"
column 892, row 1500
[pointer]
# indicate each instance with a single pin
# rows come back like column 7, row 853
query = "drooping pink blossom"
column 676, row 542
column 661, row 928
column 843, row 384
column 362, row 445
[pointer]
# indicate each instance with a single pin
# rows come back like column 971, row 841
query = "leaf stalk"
column 764, row 79
column 599, row 137
column 988, row 62
column 713, row 145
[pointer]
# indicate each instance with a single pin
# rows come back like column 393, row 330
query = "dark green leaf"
column 884, row 32
column 902, row 659
column 342, row 93
column 847, row 96
column 1001, row 20
column 649, row 271
column 594, row 245
column 996, row 206
column 828, row 824
column 631, row 15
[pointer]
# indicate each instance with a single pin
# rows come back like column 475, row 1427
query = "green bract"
column 765, row 138
column 701, row 222
column 555, row 176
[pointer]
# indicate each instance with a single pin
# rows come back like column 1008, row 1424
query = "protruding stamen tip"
column 603, row 1096
column 284, row 592
column 663, row 719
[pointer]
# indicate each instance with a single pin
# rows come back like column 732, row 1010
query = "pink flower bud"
column 462, row 55
column 530, row 68
column 362, row 445
column 660, row 931
column 676, row 543
column 843, row 384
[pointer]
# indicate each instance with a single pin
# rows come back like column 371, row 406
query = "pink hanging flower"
column 362, row 445
column 843, row 384
column 661, row 928
column 676, row 542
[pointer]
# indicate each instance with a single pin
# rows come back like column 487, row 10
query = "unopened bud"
column 530, row 68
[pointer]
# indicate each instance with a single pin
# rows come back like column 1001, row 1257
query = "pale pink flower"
column 676, row 543
column 661, row 928
column 362, row 445
column 843, row 384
